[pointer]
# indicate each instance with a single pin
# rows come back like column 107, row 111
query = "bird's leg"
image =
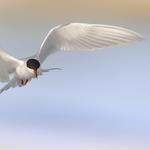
column 26, row 81
column 22, row 82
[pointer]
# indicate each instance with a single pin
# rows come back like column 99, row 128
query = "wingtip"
column 55, row 69
column 139, row 37
column 1, row 91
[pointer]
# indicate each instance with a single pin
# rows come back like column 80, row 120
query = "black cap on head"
column 33, row 64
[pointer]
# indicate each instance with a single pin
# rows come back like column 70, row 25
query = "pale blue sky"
column 99, row 100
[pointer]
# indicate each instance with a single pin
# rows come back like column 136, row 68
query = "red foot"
column 24, row 82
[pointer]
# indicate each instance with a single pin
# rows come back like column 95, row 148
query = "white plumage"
column 73, row 36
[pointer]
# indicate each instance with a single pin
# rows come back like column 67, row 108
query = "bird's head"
column 34, row 65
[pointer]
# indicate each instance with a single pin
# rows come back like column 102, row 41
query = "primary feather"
column 81, row 36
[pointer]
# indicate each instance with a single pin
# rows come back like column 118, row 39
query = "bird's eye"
column 33, row 64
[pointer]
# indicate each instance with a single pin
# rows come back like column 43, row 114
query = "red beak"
column 35, row 72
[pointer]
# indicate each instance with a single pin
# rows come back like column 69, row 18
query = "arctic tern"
column 72, row 36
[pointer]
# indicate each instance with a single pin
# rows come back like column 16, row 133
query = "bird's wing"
column 12, row 83
column 7, row 65
column 81, row 36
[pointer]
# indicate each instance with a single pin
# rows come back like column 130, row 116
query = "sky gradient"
column 58, row 8
column 100, row 100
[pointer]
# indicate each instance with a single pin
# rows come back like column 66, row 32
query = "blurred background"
column 100, row 100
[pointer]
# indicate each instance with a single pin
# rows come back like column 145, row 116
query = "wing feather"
column 81, row 36
column 7, row 65
column 12, row 83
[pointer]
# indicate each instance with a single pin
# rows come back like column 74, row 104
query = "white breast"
column 23, row 72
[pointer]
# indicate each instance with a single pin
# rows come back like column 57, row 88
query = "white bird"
column 72, row 36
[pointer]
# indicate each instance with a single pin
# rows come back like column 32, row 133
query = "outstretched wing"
column 7, row 65
column 80, row 36
column 14, row 82
column 11, row 83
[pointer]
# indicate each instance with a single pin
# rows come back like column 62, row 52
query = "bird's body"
column 23, row 73
column 73, row 36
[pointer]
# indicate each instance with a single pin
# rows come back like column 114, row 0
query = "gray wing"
column 8, row 65
column 81, row 36
column 12, row 83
